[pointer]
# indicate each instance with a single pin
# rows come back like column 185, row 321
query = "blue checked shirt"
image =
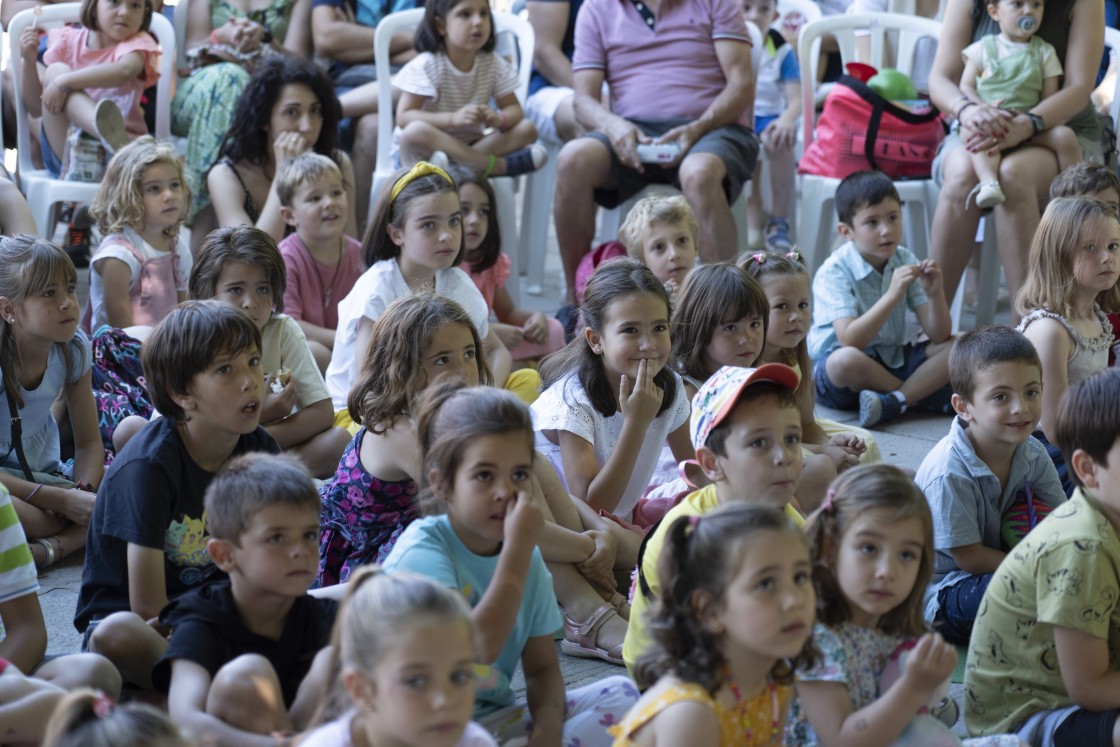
column 846, row 286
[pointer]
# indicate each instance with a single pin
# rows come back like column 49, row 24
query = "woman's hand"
column 242, row 34
column 289, row 145
column 984, row 126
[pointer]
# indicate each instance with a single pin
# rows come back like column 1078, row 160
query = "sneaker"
column 526, row 160
column 877, row 408
column 777, row 236
column 988, row 194
column 109, row 122
column 947, row 712
column 440, row 159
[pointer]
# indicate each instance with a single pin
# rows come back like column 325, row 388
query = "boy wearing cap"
column 746, row 429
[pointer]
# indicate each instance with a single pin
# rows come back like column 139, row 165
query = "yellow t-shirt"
column 697, row 503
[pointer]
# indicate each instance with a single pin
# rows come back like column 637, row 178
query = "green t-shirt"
column 1065, row 572
column 696, row 503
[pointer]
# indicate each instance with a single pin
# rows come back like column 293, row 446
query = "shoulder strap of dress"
column 680, row 692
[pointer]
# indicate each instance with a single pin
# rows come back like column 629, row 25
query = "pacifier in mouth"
column 1028, row 24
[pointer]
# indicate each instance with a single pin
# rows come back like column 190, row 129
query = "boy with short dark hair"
column 987, row 466
column 860, row 297
column 147, row 541
column 734, row 409
column 1042, row 661
column 239, row 667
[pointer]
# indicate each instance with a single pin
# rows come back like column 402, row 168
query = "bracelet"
column 27, row 500
column 963, row 107
column 82, row 485
column 505, row 120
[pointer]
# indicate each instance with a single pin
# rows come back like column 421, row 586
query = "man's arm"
column 593, row 116
column 550, row 22
column 338, row 38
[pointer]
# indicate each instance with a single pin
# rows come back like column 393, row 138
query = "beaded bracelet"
column 963, row 107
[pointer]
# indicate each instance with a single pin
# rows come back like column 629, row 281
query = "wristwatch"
column 1037, row 122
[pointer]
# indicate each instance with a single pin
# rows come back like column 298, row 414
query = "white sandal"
column 988, row 194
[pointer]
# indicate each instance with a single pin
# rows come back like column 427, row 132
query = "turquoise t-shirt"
column 429, row 546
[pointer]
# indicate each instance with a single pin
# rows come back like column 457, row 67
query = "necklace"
column 328, row 290
column 743, row 709
column 421, row 286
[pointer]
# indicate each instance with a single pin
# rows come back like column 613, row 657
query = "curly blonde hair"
column 119, row 204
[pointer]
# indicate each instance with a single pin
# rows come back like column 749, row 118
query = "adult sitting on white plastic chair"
column 551, row 102
column 1076, row 29
column 675, row 78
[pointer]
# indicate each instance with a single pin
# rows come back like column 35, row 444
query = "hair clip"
column 759, row 257
column 827, row 505
column 102, row 705
column 694, row 521
column 794, row 255
column 421, row 168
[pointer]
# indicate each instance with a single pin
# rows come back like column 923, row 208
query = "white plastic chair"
column 817, row 193
column 42, row 190
column 516, row 40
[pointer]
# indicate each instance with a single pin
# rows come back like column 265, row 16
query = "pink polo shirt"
column 668, row 71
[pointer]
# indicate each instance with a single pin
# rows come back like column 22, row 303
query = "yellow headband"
column 422, row 168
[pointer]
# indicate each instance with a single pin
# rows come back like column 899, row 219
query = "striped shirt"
column 17, row 569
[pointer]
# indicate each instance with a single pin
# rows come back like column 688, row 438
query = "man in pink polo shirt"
column 679, row 72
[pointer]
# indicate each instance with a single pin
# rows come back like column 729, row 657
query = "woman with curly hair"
column 288, row 108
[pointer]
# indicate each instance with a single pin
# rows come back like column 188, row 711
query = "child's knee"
column 246, row 694
column 83, row 670
column 845, row 363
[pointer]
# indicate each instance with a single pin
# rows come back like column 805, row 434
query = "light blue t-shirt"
column 429, row 546
column 40, row 431
column 847, row 286
column 966, row 501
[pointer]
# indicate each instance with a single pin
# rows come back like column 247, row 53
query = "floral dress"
column 362, row 516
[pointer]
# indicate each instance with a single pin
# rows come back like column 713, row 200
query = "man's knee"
column 584, row 162
column 701, row 176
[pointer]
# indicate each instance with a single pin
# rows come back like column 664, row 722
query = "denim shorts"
column 842, row 398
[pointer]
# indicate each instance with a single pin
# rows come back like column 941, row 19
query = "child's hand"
column 929, row 664
column 780, row 134
column 850, row 442
column 599, row 566
column 510, row 335
column 901, row 279
column 77, row 506
column 54, row 98
column 841, row 457
column 471, row 115
column 278, row 405
column 289, row 145
column 523, row 520
column 930, row 275
column 29, row 44
column 159, row 627
column 536, row 328
column 643, row 402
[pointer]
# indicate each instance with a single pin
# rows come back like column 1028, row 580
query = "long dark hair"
column 612, row 280
column 491, row 247
column 246, row 142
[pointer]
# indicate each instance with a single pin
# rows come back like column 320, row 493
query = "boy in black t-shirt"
column 147, row 540
column 249, row 654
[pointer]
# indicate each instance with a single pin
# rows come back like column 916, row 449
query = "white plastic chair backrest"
column 58, row 15
column 1112, row 45
column 794, row 15
column 910, row 29
column 516, row 39
column 756, row 45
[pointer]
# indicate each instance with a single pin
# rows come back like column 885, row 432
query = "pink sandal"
column 579, row 638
